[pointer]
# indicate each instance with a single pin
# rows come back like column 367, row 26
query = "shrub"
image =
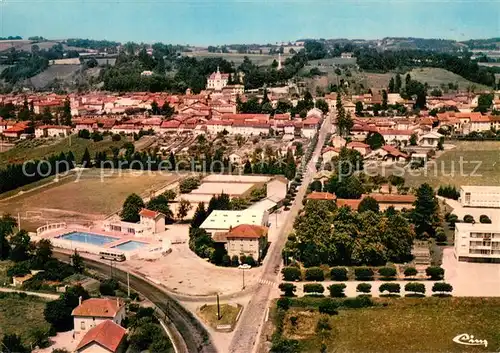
column 442, row 288
column 435, row 272
column 392, row 288
column 338, row 274
column 364, row 288
column 226, row 260
column 441, row 237
column 358, row 302
column 116, row 137
column 249, row 260
column 314, row 288
column 235, row 262
column 283, row 303
column 484, row 219
column 315, row 274
column 108, row 287
column 387, row 272
column 415, row 287
column 291, row 273
column 468, row 218
column 337, row 290
column 363, row 273
column 328, row 306
column 323, row 324
column 288, row 289
column 410, row 272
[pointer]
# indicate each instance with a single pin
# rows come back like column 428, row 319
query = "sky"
column 204, row 22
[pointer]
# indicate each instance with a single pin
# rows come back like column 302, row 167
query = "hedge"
column 338, row 274
column 314, row 288
column 337, row 290
column 364, row 288
column 363, row 273
column 435, row 272
column 314, row 274
column 291, row 273
column 387, row 272
column 390, row 287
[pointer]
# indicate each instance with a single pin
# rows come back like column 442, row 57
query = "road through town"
column 247, row 331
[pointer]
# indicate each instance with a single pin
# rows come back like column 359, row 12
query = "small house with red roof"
column 248, row 240
column 106, row 337
column 91, row 312
column 152, row 220
column 52, row 131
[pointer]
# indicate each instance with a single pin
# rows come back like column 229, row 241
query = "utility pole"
column 218, row 307
column 128, row 284
column 243, row 273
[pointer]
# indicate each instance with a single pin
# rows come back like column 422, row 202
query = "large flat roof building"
column 480, row 196
column 478, row 242
column 222, row 221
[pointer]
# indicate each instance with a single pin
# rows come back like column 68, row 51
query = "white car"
column 245, row 267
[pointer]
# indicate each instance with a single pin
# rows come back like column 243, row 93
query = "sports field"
column 83, row 199
column 407, row 325
column 469, row 163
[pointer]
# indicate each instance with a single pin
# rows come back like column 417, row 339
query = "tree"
column 86, row 161
column 314, row 288
column 387, row 272
column 314, row 274
column 199, row 216
column 291, row 273
column 43, row 253
column 66, row 113
column 108, row 287
column 170, row 195
column 7, row 225
column 247, row 168
column 359, row 108
column 413, row 139
column 484, row 103
column 337, row 290
column 410, row 272
column 20, row 246
column 363, row 273
column 172, row 161
column 442, row 289
column 368, row 204
column 392, row 288
column 397, row 84
column 283, row 303
column 288, row 289
column 77, row 262
column 322, row 105
column 425, row 214
column 13, row 344
column 415, row 287
column 468, row 218
column 328, row 306
column 160, row 204
column 338, row 273
column 391, row 85
column 375, row 140
column 384, row 99
column 436, row 273
column 184, row 207
column 131, row 208
column 365, row 288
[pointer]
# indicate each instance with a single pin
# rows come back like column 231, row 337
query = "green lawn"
column 447, row 170
column 36, row 149
column 229, row 314
column 21, row 316
column 404, row 325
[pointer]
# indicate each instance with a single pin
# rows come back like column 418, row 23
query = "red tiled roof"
column 355, row 144
column 149, row 214
column 107, row 334
column 392, row 198
column 247, row 231
column 315, row 195
column 98, row 307
column 170, row 124
column 353, row 204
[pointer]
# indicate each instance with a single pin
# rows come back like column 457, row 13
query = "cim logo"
column 469, row 340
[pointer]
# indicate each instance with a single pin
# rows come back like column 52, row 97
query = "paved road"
column 189, row 335
column 247, row 331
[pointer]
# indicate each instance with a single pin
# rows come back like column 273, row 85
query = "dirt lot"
column 87, row 199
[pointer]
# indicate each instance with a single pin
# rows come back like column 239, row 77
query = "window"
column 82, row 325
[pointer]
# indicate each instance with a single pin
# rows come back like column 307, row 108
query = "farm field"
column 404, row 325
column 446, row 169
column 54, row 72
column 82, row 200
column 31, row 149
column 21, row 316
column 435, row 77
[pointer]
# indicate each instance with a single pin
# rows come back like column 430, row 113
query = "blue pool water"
column 129, row 245
column 89, row 238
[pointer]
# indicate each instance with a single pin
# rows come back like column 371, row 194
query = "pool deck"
column 121, row 238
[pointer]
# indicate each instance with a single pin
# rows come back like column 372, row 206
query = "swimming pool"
column 89, row 238
column 129, row 245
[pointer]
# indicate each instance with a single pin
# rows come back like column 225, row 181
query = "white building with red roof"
column 52, row 131
column 106, row 337
column 217, row 81
column 248, row 240
column 91, row 312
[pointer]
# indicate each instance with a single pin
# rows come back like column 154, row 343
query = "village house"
column 91, row 312
column 52, row 131
column 247, row 240
column 150, row 223
column 430, row 140
column 361, row 147
column 106, row 337
column 387, row 153
column 217, row 81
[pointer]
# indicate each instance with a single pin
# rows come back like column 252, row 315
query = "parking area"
column 471, row 279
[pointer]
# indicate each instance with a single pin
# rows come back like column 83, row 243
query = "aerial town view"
column 250, row 177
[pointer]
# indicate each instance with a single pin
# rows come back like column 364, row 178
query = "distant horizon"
column 225, row 22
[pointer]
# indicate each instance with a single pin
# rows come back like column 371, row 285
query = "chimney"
column 80, row 300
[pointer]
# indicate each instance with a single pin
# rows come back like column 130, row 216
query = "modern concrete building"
column 151, row 222
column 477, row 242
column 223, row 221
column 480, row 196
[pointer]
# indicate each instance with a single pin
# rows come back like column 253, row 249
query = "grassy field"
column 37, row 149
column 404, row 325
column 229, row 313
column 81, row 200
column 447, row 170
column 54, row 72
column 21, row 316
column 435, row 77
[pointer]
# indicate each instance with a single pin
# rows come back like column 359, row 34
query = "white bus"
column 110, row 255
